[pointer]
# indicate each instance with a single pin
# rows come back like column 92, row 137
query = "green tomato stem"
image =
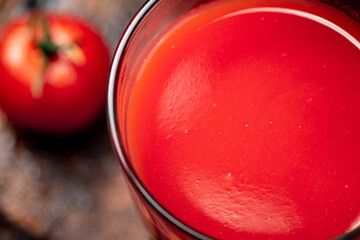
column 49, row 49
column 47, row 46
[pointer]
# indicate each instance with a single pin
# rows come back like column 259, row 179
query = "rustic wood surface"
column 68, row 188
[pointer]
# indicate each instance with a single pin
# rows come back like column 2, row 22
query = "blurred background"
column 70, row 187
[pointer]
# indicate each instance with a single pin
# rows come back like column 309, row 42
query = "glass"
column 152, row 19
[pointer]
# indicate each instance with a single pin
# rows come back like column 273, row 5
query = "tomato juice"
column 243, row 121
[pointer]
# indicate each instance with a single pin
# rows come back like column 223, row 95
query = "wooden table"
column 68, row 188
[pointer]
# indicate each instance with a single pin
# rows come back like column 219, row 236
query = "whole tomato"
column 53, row 72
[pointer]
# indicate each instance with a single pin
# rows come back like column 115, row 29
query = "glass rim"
column 115, row 134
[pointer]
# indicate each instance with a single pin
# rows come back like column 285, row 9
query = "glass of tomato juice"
column 239, row 119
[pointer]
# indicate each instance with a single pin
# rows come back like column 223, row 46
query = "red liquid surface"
column 245, row 124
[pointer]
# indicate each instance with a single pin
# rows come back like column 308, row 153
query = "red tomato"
column 53, row 73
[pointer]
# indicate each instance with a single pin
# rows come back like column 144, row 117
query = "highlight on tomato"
column 53, row 72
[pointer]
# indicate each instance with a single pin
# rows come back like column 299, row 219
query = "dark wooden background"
column 68, row 188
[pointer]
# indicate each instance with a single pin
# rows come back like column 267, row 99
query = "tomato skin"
column 73, row 91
